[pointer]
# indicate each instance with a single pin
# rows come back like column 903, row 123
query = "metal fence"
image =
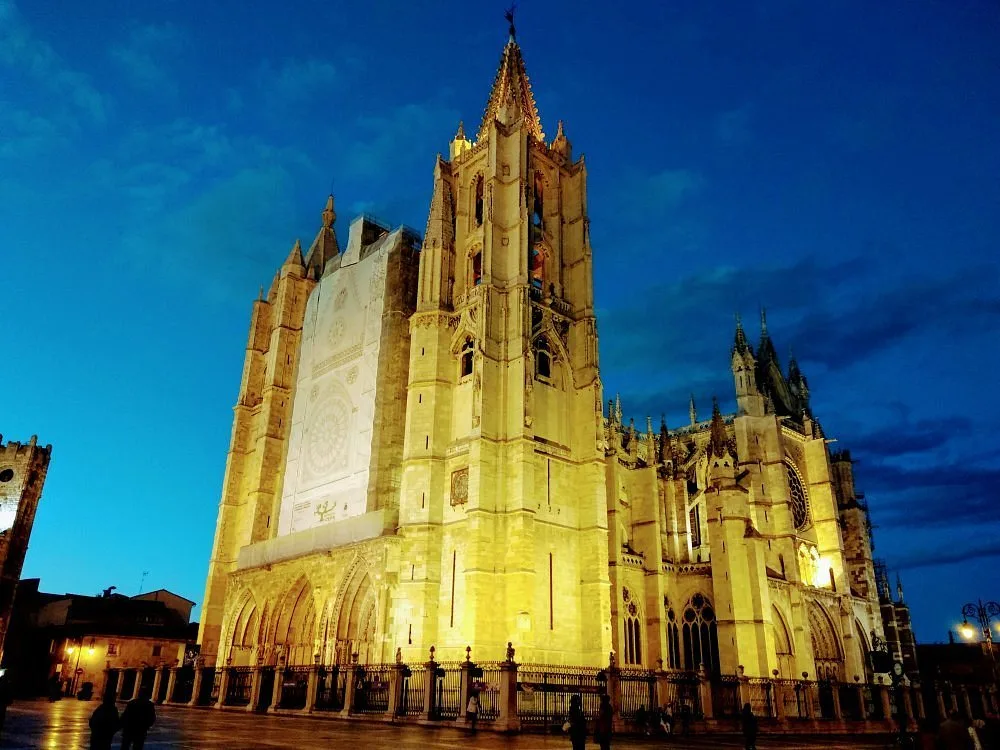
column 791, row 698
column 331, row 688
column 850, row 702
column 679, row 693
column 294, row 686
column 238, row 686
column 448, row 691
column 726, row 697
column 371, row 689
column 760, row 696
column 487, row 686
column 412, row 700
column 544, row 693
column 637, row 694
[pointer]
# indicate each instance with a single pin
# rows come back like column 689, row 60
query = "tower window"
column 543, row 359
column 538, row 212
column 694, row 522
column 536, row 266
column 467, row 352
column 476, row 263
column 633, row 630
column 479, row 201
column 673, row 641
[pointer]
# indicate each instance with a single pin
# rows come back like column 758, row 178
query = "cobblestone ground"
column 63, row 726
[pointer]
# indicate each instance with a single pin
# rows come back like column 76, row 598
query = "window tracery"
column 633, row 630
column 673, row 640
column 797, row 498
column 701, row 635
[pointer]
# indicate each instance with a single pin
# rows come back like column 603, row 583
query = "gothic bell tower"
column 503, row 510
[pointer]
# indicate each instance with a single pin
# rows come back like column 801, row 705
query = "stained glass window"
column 797, row 499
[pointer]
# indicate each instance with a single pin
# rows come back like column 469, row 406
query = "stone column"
column 838, row 712
column 138, row 684
column 953, row 694
column 430, row 678
column 279, row 681
column 171, row 684
column 349, row 685
column 614, row 688
column 992, row 704
column 223, row 685
column 964, row 705
column 508, row 721
column 118, row 685
column 777, row 698
column 939, row 695
column 705, row 693
column 917, row 696
column 254, row 689
column 907, row 702
column 196, row 685
column 886, row 699
column 312, row 687
column 862, row 706
column 465, row 687
column 807, row 705
column 157, row 681
column 396, row 684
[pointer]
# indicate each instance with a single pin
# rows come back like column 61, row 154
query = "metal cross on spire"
column 509, row 15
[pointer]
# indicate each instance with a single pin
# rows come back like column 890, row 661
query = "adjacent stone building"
column 22, row 474
column 422, row 456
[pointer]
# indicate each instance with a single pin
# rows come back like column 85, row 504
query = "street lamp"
column 984, row 612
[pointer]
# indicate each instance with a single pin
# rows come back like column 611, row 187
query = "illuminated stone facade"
column 22, row 474
column 421, row 457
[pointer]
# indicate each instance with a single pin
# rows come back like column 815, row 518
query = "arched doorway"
column 827, row 652
column 295, row 625
column 245, row 632
column 355, row 625
column 782, row 645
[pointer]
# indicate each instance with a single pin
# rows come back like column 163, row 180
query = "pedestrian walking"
column 139, row 715
column 472, row 710
column 576, row 724
column 104, row 723
column 749, row 722
column 604, row 727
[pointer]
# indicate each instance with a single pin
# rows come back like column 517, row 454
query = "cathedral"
column 422, row 456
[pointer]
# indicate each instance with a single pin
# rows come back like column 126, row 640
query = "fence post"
column 508, row 720
column 705, row 693
column 807, row 697
column 279, row 683
column 199, row 665
column 171, row 684
column 396, row 686
column 349, row 688
column 223, row 685
column 255, row 685
column 838, row 711
column 465, row 687
column 430, row 678
column 614, row 688
column 312, row 686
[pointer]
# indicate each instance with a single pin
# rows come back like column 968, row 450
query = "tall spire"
column 718, row 441
column 511, row 86
column 324, row 247
column 692, row 411
column 741, row 345
column 294, row 260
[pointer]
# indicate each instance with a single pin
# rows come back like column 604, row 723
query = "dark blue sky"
column 837, row 162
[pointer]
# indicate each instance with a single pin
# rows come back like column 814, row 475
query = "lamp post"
column 984, row 612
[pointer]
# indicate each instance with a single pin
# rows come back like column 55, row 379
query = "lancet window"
column 543, row 359
column 701, row 636
column 467, row 352
column 673, row 640
column 476, row 268
column 633, row 630
column 478, row 205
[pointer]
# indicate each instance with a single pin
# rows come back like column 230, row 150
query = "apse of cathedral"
column 421, row 456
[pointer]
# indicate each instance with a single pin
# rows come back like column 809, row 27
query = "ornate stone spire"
column 718, row 441
column 294, row 259
column 325, row 246
column 511, row 87
column 741, row 345
column 440, row 231
column 692, row 411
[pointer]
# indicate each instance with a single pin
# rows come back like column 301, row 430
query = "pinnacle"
column 511, row 84
column 295, row 256
column 329, row 214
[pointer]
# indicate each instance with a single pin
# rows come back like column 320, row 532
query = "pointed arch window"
column 478, row 205
column 701, row 636
column 536, row 266
column 797, row 501
column 476, row 267
column 468, row 349
column 633, row 631
column 543, row 359
column 538, row 209
column 673, row 640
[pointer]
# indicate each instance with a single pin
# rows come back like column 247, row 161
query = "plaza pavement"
column 63, row 726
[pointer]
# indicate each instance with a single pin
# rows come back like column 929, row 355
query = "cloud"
column 950, row 553
column 295, row 81
column 26, row 55
column 146, row 54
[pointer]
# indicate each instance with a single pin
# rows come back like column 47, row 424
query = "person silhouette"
column 749, row 722
column 139, row 715
column 604, row 727
column 577, row 723
column 104, row 723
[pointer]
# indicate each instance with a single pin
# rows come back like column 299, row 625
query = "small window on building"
column 479, row 201
column 467, row 352
column 157, row 649
column 543, row 359
column 694, row 521
column 476, row 268
column 112, row 649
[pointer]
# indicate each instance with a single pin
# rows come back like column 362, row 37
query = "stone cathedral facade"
column 421, row 455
